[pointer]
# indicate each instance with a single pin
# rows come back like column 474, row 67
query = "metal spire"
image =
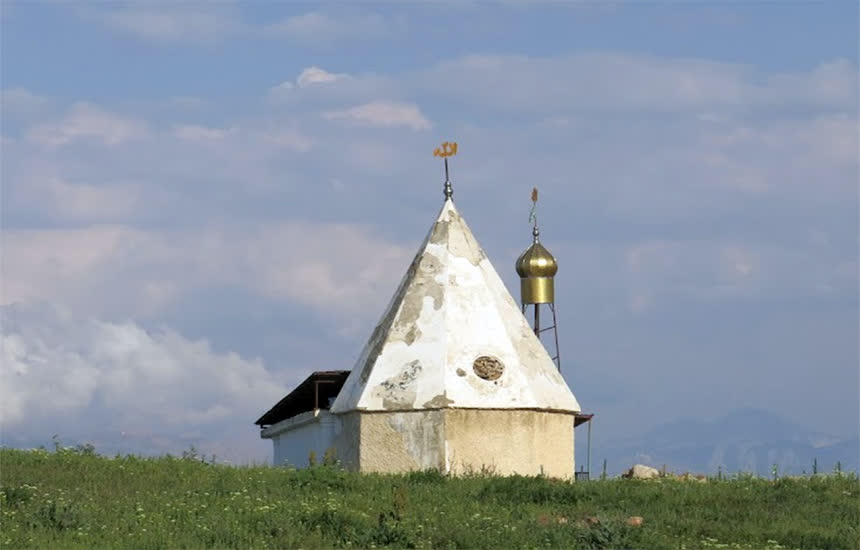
column 448, row 149
column 533, row 215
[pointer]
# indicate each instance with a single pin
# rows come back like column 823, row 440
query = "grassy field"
column 75, row 499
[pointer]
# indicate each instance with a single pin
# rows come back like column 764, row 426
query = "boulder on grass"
column 640, row 471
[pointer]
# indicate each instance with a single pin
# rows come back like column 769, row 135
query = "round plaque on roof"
column 488, row 368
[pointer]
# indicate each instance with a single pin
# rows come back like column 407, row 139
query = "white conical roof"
column 450, row 309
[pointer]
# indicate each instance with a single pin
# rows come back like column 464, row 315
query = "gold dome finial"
column 533, row 215
column 448, row 149
column 536, row 266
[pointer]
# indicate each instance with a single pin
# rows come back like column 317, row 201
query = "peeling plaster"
column 413, row 334
column 398, row 392
column 423, row 435
column 461, row 242
column 380, row 333
column 440, row 232
column 451, row 308
column 438, row 402
column 424, row 284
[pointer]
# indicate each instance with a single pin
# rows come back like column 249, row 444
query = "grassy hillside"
column 74, row 499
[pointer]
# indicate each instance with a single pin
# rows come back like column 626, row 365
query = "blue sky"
column 204, row 201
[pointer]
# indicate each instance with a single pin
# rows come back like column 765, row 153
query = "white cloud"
column 164, row 22
column 660, row 272
column 375, row 157
column 86, row 121
column 614, row 82
column 678, row 176
column 188, row 102
column 280, row 138
column 55, row 264
column 315, row 75
column 785, row 155
column 107, row 270
column 309, row 77
column 725, row 197
column 76, row 201
column 22, row 103
column 291, row 140
column 830, row 83
column 193, row 132
column 172, row 22
column 329, row 267
column 316, row 28
column 281, row 89
column 383, row 113
column 68, row 375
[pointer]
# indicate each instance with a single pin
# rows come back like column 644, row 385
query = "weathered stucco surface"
column 402, row 441
column 510, row 442
column 459, row 441
column 450, row 309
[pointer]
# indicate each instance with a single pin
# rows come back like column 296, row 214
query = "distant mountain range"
column 746, row 440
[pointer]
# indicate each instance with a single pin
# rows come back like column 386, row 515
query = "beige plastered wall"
column 459, row 441
column 509, row 442
column 402, row 441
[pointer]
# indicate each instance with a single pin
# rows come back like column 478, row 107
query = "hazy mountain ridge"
column 747, row 440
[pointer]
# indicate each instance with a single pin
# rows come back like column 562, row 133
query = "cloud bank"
column 704, row 215
column 83, row 378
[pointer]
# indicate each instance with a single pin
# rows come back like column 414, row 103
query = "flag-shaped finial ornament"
column 448, row 149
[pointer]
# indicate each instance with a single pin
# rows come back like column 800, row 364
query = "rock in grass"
column 687, row 476
column 640, row 471
column 635, row 521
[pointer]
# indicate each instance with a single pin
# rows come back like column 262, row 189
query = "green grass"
column 75, row 499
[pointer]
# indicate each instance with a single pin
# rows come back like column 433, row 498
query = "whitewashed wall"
column 296, row 437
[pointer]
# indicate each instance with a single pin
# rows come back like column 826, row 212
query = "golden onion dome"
column 536, row 268
column 536, row 261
